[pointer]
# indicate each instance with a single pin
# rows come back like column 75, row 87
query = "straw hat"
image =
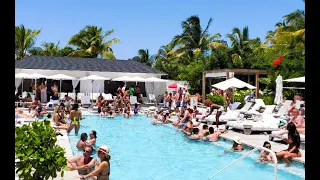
column 237, row 140
column 103, row 148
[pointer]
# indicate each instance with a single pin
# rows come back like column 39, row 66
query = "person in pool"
column 214, row 134
column 136, row 109
column 82, row 141
column 294, row 144
column 75, row 116
column 155, row 119
column 236, row 146
column 102, row 172
column 84, row 164
column 195, row 134
column 264, row 155
column 93, row 137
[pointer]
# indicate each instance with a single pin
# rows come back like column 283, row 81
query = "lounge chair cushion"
column 256, row 126
column 285, row 136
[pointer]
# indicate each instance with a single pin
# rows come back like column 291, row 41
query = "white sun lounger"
column 283, row 109
column 266, row 124
column 85, row 101
column 246, row 107
column 275, row 134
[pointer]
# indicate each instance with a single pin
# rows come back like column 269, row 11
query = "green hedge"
column 216, row 98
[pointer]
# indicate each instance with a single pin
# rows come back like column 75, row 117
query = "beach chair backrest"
column 24, row 94
column 152, row 97
column 269, row 109
column 235, row 105
column 284, row 108
column 133, row 99
column 85, row 100
column 79, row 95
column 72, row 95
column 298, row 103
column 247, row 106
column 108, row 97
column 260, row 102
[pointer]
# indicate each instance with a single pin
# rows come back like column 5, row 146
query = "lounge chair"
column 283, row 134
column 266, row 123
column 108, row 97
column 133, row 100
column 246, row 107
column 72, row 95
column 62, row 96
column 85, row 101
column 283, row 109
column 79, row 95
column 298, row 103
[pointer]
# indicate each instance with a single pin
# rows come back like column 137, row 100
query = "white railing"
column 245, row 155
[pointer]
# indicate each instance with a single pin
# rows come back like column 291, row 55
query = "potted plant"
column 37, row 155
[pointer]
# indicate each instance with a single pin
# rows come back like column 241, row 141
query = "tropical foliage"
column 194, row 50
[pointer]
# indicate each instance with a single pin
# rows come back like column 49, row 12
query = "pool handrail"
column 251, row 151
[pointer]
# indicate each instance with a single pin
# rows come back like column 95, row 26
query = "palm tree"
column 240, row 42
column 90, row 43
column 193, row 39
column 144, row 57
column 24, row 40
column 49, row 49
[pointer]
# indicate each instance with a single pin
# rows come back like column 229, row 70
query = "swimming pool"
column 140, row 150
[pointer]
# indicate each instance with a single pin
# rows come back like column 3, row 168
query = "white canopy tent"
column 61, row 77
column 153, row 80
column 299, row 79
column 93, row 78
column 19, row 79
column 232, row 83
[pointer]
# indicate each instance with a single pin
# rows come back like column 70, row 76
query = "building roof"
column 84, row 64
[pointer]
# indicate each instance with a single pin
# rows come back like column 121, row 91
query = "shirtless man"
column 195, row 134
column 214, row 135
column 155, row 119
column 204, row 131
column 187, row 128
column 219, row 112
column 84, row 164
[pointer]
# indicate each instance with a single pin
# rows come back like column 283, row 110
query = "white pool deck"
column 248, row 140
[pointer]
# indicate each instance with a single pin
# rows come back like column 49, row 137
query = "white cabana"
column 150, row 83
column 61, row 77
column 279, row 86
column 93, row 79
column 299, row 79
column 232, row 83
column 19, row 79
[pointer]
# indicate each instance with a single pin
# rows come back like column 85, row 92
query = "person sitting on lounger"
column 195, row 134
column 294, row 144
column 84, row 164
column 82, row 141
column 298, row 120
column 219, row 108
column 236, row 146
column 264, row 155
column 34, row 104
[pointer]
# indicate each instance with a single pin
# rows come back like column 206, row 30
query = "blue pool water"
column 140, row 150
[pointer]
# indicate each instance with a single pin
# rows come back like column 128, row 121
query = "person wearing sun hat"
column 102, row 172
column 236, row 146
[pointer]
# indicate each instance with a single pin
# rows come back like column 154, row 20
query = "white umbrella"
column 61, row 77
column 232, row 83
column 154, row 79
column 123, row 78
column 93, row 78
column 278, row 98
column 299, row 79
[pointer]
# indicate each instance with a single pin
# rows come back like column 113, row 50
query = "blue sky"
column 141, row 24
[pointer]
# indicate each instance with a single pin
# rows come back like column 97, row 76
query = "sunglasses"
column 268, row 147
column 86, row 151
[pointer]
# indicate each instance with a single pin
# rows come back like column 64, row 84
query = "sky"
column 148, row 24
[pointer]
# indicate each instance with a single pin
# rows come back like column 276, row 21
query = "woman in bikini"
column 93, row 137
column 102, row 172
column 59, row 118
column 75, row 116
column 294, row 144
column 82, row 141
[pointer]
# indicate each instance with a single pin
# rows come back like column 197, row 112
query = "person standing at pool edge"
column 219, row 112
column 75, row 116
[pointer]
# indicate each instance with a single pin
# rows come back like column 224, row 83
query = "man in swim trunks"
column 84, row 164
column 219, row 112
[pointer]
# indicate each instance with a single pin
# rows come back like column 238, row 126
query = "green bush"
column 35, row 147
column 268, row 99
column 216, row 98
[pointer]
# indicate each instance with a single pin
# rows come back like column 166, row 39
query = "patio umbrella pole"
column 92, row 92
column 21, row 87
column 60, row 87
